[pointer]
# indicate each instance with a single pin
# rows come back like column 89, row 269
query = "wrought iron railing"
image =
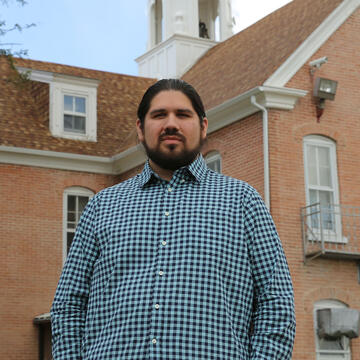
column 331, row 231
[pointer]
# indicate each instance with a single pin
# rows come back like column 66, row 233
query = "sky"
column 104, row 35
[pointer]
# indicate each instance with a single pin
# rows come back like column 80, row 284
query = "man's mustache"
column 172, row 132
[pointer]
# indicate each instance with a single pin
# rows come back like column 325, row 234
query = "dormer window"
column 73, row 107
column 72, row 113
column 75, row 114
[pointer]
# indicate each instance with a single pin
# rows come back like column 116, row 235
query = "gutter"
column 265, row 123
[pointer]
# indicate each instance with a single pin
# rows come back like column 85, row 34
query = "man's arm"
column 68, row 311
column 273, row 315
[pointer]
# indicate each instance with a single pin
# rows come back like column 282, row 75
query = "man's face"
column 172, row 135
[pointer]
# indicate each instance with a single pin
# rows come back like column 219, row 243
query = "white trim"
column 48, row 77
column 129, row 159
column 55, row 160
column 222, row 115
column 77, row 191
column 76, row 80
column 172, row 57
column 164, row 44
column 240, row 106
column 316, row 39
column 318, row 140
column 36, row 75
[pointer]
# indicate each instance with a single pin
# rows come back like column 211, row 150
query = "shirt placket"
column 162, row 269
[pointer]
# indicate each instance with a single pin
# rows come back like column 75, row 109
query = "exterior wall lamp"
column 324, row 89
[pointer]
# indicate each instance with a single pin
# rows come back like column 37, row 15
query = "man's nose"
column 171, row 122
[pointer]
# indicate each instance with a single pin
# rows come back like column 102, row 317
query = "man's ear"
column 204, row 127
column 139, row 130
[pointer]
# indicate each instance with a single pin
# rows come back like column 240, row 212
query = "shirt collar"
column 196, row 169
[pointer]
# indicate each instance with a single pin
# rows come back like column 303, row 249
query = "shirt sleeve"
column 273, row 321
column 68, row 311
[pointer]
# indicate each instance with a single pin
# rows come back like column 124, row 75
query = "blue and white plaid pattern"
column 187, row 269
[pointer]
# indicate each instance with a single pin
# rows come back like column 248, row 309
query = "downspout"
column 265, row 150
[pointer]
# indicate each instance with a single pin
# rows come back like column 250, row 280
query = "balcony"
column 331, row 231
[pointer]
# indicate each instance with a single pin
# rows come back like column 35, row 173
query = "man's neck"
column 165, row 174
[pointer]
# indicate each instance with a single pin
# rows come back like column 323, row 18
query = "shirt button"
column 161, row 273
column 166, row 213
column 169, row 189
column 163, row 242
column 157, row 306
column 153, row 341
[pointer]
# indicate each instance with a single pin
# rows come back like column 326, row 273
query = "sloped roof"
column 248, row 58
column 24, row 111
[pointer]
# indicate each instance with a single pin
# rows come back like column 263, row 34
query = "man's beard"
column 171, row 160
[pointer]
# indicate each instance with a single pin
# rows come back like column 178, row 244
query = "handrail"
column 330, row 230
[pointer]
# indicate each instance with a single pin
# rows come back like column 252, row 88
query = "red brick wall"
column 240, row 146
column 320, row 279
column 31, row 249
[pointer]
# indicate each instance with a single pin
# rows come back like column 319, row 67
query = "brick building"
column 69, row 132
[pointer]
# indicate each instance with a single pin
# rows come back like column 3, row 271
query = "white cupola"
column 180, row 31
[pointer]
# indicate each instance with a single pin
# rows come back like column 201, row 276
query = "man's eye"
column 183, row 115
column 159, row 115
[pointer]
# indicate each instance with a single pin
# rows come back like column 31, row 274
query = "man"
column 178, row 262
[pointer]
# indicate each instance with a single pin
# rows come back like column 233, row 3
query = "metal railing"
column 331, row 231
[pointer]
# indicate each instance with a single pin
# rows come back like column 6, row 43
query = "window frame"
column 74, row 191
column 322, row 141
column 85, row 88
column 325, row 304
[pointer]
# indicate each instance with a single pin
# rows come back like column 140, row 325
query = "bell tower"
column 180, row 31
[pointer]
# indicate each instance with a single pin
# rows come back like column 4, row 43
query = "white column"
column 226, row 21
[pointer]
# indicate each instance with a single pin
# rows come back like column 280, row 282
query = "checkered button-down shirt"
column 187, row 269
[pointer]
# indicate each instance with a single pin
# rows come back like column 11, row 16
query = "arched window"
column 321, row 186
column 330, row 348
column 213, row 161
column 74, row 202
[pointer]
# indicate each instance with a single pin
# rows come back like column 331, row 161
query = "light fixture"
column 324, row 89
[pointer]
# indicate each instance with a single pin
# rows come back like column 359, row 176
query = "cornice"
column 76, row 80
column 129, row 159
column 171, row 40
column 50, row 77
column 37, row 75
column 56, row 160
column 220, row 116
column 240, row 106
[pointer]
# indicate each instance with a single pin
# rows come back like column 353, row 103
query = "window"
column 74, row 113
column 322, row 186
column 73, row 108
column 75, row 200
column 213, row 161
column 330, row 349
